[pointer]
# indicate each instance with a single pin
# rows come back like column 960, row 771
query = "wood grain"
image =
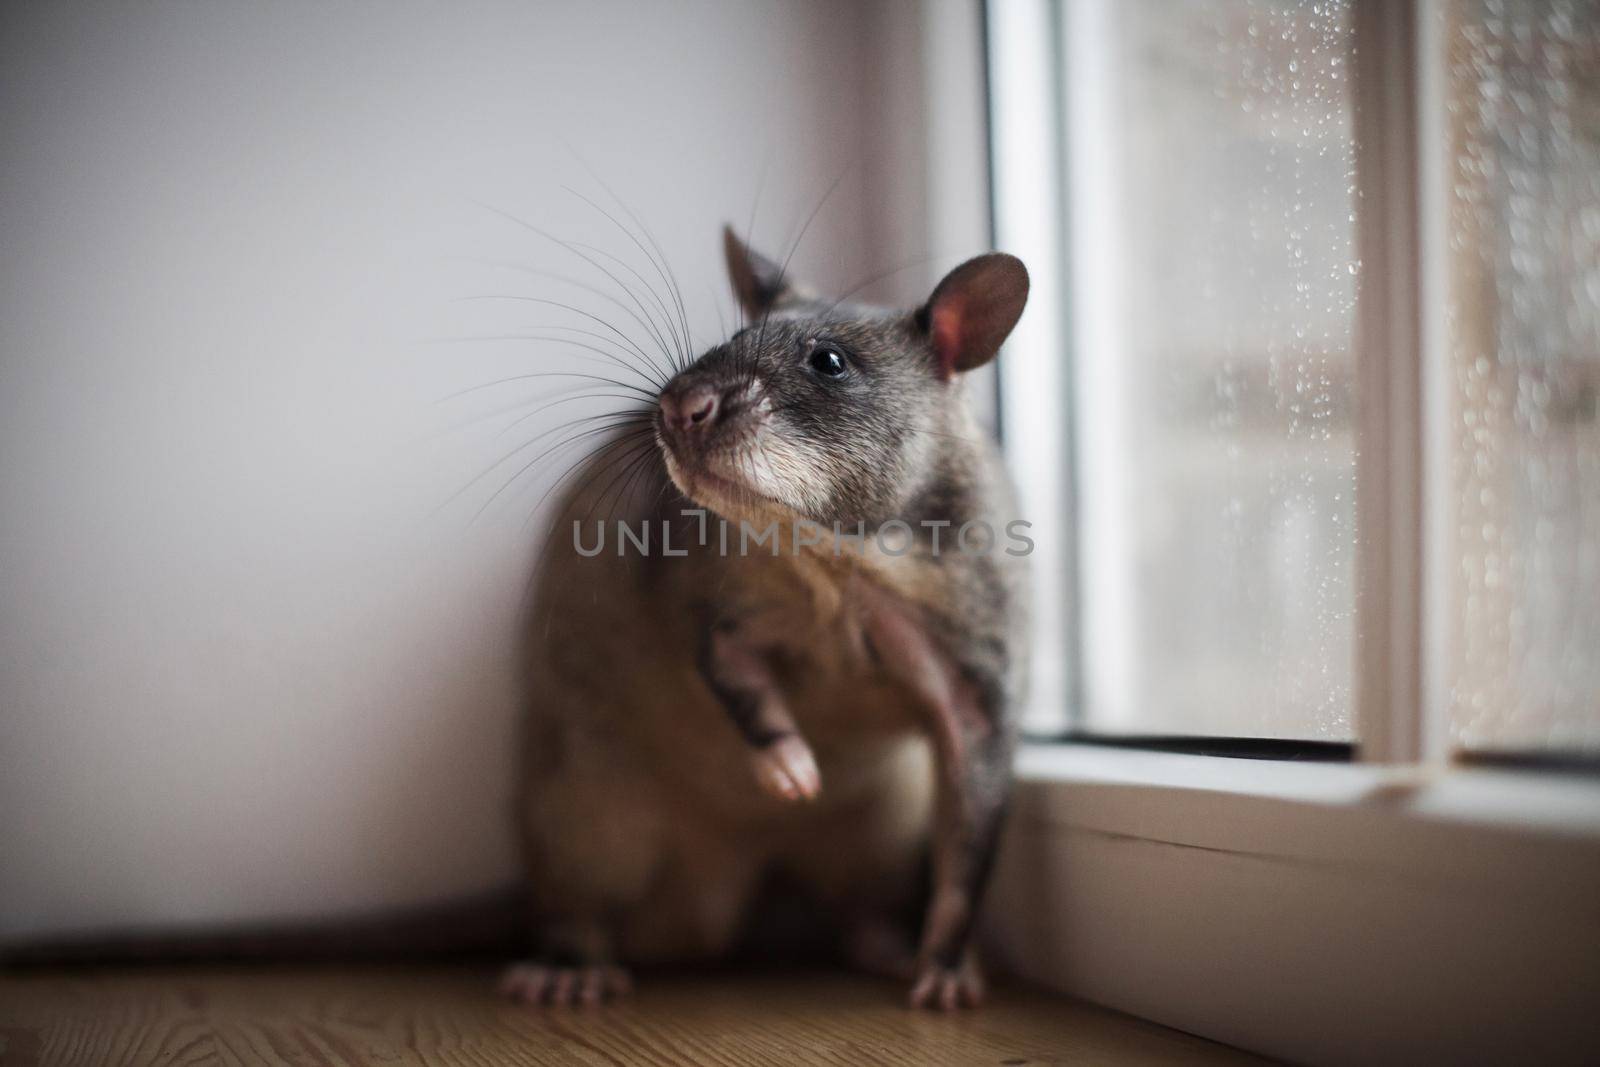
column 450, row 1015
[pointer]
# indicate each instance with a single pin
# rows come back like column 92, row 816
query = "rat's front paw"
column 786, row 769
column 944, row 988
column 538, row 983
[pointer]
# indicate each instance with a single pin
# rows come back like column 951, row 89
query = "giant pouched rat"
column 710, row 709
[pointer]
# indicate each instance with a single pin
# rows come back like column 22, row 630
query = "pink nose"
column 691, row 410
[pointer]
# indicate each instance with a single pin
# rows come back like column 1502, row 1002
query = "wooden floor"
column 448, row 1015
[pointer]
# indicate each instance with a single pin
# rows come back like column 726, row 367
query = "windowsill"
column 1318, row 912
column 1537, row 802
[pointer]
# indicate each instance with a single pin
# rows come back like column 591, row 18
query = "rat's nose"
column 692, row 409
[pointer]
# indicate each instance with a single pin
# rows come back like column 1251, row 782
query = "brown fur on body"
column 676, row 701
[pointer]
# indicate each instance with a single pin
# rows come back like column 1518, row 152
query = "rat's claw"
column 535, row 983
column 524, row 982
column 948, row 988
column 786, row 769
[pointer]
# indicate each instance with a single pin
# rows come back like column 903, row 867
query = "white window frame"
column 1397, row 907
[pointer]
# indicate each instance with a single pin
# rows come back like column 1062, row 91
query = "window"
column 1519, row 137
column 1214, row 310
column 1320, row 328
column 1325, row 460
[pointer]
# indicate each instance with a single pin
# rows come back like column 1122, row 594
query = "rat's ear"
column 973, row 310
column 758, row 282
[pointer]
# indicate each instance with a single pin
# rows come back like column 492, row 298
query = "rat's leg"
column 594, row 836
column 972, row 755
column 738, row 674
column 636, row 876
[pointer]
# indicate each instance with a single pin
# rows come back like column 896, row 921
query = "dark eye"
column 827, row 362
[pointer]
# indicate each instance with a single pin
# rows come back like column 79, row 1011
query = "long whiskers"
column 569, row 440
column 660, row 265
column 607, row 358
column 660, row 262
column 647, row 394
column 648, row 319
column 648, row 367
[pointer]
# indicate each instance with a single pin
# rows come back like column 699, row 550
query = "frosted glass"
column 1213, row 173
column 1522, row 126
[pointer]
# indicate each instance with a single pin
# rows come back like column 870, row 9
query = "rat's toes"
column 524, row 982
column 947, row 988
column 786, row 769
column 536, row 983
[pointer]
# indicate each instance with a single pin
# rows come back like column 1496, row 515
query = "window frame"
column 1221, row 894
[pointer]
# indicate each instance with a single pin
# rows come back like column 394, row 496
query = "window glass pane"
column 1211, row 182
column 1522, row 333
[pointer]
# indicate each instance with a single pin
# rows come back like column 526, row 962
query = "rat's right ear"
column 758, row 282
column 973, row 310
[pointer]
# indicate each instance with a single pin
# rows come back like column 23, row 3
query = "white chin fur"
column 779, row 475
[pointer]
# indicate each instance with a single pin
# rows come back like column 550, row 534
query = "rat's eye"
column 827, row 362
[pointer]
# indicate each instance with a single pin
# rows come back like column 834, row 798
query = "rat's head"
column 825, row 411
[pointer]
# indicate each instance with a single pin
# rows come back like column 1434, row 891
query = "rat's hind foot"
column 539, row 983
column 786, row 769
column 944, row 988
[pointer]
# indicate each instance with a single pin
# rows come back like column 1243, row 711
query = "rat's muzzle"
column 691, row 411
column 697, row 417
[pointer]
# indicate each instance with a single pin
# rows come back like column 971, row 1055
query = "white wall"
column 248, row 666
